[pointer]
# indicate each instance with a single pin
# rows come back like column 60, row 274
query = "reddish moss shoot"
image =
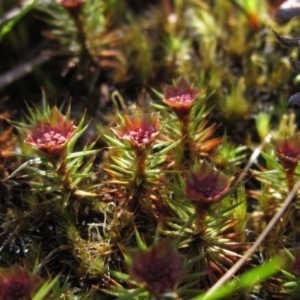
column 160, row 268
column 51, row 136
column 181, row 97
column 288, row 153
column 206, row 186
column 16, row 284
column 72, row 5
column 139, row 131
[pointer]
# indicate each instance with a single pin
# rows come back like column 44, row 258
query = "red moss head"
column 17, row 284
column 181, row 97
column 51, row 135
column 73, row 6
column 160, row 268
column 206, row 185
column 139, row 131
column 288, row 151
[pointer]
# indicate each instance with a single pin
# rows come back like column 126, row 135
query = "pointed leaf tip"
column 287, row 42
column 294, row 100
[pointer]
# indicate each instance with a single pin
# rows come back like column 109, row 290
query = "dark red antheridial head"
column 71, row 4
column 206, row 185
column 288, row 150
column 160, row 268
column 17, row 284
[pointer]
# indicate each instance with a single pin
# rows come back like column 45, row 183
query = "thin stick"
column 21, row 70
column 50, row 255
column 253, row 158
column 10, row 14
column 255, row 245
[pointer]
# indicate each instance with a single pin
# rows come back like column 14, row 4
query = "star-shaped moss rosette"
column 205, row 185
column 160, row 268
column 139, row 130
column 16, row 283
column 181, row 97
column 288, row 151
column 52, row 134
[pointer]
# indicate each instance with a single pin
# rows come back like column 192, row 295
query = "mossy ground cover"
column 149, row 150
